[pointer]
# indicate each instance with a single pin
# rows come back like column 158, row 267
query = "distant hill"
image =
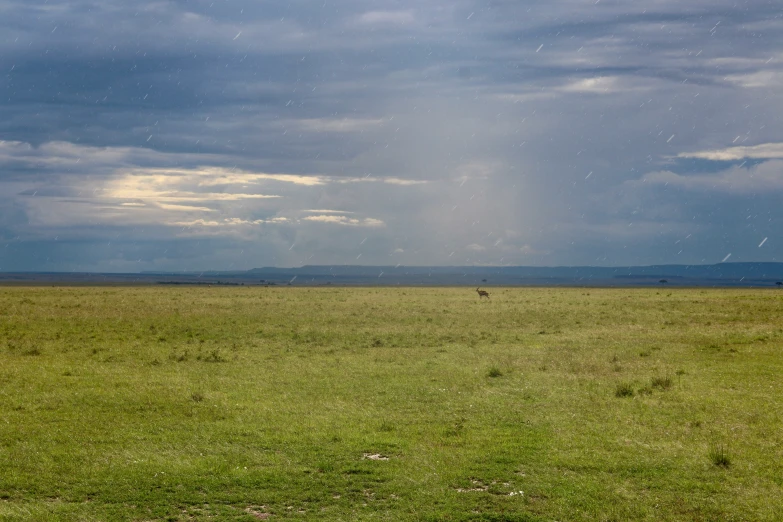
column 722, row 274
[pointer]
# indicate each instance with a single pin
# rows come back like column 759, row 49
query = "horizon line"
column 393, row 267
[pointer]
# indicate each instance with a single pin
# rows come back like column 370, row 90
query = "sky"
column 232, row 134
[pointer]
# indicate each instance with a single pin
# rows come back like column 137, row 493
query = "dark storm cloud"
column 498, row 132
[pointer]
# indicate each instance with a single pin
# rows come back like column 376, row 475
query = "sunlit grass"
column 393, row 404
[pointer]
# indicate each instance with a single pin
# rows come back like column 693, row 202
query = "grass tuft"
column 623, row 389
column 661, row 383
column 494, row 372
column 719, row 455
column 214, row 357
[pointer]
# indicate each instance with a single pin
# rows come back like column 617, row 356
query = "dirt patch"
column 258, row 512
column 375, row 456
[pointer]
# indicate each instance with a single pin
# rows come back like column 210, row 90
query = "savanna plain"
column 278, row 403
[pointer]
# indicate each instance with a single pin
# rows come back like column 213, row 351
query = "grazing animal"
column 482, row 293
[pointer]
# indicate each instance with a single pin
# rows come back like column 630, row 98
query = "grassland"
column 390, row 404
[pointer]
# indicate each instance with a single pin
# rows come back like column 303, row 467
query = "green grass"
column 390, row 404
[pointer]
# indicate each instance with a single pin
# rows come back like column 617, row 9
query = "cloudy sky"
column 232, row 134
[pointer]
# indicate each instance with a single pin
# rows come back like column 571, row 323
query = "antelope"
column 482, row 293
